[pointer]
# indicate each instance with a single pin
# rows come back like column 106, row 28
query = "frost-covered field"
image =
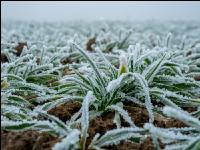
column 100, row 85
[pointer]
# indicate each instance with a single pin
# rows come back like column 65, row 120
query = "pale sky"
column 64, row 11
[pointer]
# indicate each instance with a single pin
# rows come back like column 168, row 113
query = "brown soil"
column 66, row 60
column 190, row 109
column 105, row 123
column 100, row 125
column 20, row 47
column 65, row 111
column 4, row 58
column 89, row 44
column 189, row 53
column 27, row 140
column 197, row 78
column 140, row 117
column 38, row 61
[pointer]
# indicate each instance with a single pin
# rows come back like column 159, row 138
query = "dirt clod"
column 197, row 78
column 89, row 43
column 38, row 60
column 189, row 53
column 20, row 47
column 4, row 58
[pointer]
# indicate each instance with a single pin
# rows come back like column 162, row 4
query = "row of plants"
column 134, row 66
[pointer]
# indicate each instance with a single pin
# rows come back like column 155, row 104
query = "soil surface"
column 140, row 117
column 65, row 111
column 101, row 124
column 104, row 123
column 28, row 140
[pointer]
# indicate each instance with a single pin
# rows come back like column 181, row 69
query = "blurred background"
column 65, row 11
